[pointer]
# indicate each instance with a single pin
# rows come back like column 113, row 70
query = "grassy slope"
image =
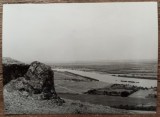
column 17, row 104
column 108, row 100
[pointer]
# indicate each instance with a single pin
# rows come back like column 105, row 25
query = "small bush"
column 125, row 94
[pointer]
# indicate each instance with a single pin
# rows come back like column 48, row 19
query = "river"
column 114, row 79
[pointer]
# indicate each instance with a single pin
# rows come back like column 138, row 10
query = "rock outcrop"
column 41, row 78
column 36, row 82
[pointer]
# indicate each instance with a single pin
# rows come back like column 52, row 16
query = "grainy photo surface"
column 80, row 58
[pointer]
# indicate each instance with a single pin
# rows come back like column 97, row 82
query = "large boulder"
column 41, row 78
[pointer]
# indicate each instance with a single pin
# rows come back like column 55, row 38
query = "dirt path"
column 142, row 93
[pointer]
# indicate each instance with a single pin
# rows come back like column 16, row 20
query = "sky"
column 72, row 32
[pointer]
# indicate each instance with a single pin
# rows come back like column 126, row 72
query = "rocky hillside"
column 34, row 81
column 8, row 60
column 29, row 89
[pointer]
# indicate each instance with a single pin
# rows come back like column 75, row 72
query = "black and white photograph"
column 80, row 58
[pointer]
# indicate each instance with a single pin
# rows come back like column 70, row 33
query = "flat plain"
column 82, row 88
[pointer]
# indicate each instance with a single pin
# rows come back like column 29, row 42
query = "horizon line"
column 87, row 61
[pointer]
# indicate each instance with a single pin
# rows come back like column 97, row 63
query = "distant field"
column 69, row 86
column 68, row 83
column 144, row 69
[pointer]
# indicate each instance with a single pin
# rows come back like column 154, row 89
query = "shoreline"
column 114, row 75
column 109, row 78
column 134, row 77
column 92, row 79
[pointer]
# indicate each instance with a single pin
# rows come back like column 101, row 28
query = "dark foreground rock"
column 12, row 69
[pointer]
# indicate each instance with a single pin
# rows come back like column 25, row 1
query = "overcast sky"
column 80, row 31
